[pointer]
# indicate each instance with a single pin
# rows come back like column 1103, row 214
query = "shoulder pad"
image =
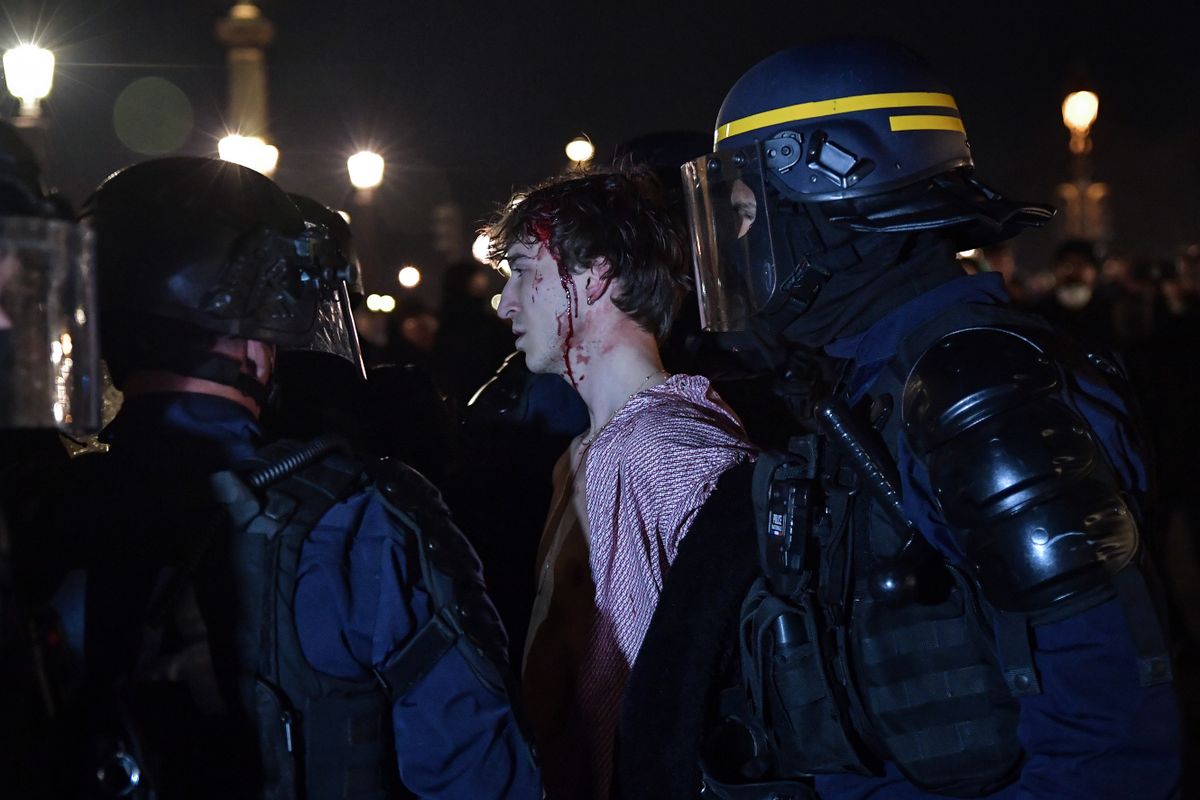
column 968, row 376
column 1018, row 474
column 406, row 488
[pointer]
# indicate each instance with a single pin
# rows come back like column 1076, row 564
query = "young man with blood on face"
column 597, row 273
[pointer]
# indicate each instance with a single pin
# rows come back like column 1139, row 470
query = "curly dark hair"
column 619, row 216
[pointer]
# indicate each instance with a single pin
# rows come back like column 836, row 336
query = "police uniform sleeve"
column 456, row 733
column 1019, row 485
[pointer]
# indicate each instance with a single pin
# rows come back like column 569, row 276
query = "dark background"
column 468, row 101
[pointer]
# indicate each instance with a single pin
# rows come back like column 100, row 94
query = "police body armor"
column 859, row 642
column 221, row 701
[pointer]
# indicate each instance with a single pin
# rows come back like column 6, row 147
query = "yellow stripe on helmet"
column 827, row 108
column 926, row 122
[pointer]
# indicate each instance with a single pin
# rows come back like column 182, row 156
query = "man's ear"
column 597, row 280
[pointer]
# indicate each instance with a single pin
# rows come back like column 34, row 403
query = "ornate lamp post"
column 1085, row 208
column 246, row 32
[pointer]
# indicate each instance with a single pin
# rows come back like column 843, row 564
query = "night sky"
column 468, row 101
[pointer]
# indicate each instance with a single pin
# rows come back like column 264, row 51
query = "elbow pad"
column 1017, row 472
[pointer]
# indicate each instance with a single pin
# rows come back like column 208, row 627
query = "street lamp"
column 366, row 170
column 29, row 73
column 580, row 150
column 409, row 277
column 383, row 303
column 1079, row 111
column 1085, row 202
column 249, row 151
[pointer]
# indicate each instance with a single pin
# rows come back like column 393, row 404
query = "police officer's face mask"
column 49, row 355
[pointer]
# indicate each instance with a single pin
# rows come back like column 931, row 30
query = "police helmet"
column 845, row 119
column 851, row 135
column 208, row 243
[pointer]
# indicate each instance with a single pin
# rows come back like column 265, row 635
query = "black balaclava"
column 869, row 275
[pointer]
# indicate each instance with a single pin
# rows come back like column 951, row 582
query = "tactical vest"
column 837, row 676
column 221, row 701
column 840, row 680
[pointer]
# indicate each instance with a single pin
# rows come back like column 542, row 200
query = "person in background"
column 1077, row 305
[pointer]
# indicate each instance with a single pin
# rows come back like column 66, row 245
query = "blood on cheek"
column 542, row 231
column 565, row 320
column 536, row 285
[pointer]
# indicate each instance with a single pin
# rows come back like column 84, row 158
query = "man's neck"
column 624, row 362
column 153, row 381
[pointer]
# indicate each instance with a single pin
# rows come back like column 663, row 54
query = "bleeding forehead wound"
column 541, row 229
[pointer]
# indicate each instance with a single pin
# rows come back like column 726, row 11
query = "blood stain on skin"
column 572, row 309
column 538, row 276
column 542, row 230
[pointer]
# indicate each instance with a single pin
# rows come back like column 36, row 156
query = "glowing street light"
column 249, row 151
column 29, row 73
column 1079, row 112
column 366, row 169
column 580, row 150
column 383, row 303
column 1084, row 201
column 479, row 248
column 409, row 277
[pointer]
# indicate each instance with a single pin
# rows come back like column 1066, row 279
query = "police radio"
column 791, row 501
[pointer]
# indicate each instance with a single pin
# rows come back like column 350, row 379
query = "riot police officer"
column 49, row 368
column 946, row 591
column 261, row 619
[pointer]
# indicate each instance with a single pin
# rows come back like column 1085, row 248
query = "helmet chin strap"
column 216, row 368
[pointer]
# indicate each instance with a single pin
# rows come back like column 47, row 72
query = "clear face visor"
column 730, row 223
column 334, row 332
column 49, row 351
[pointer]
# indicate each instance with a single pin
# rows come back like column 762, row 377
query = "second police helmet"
column 818, row 141
column 207, row 245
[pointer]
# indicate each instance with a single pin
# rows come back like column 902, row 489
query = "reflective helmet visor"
column 730, row 221
column 49, row 353
column 334, row 332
